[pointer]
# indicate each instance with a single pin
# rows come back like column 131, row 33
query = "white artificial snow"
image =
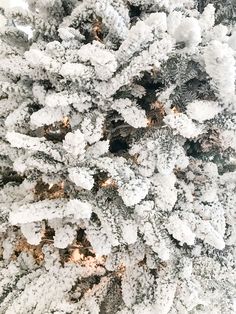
column 75, row 71
column 157, row 214
column 47, row 116
column 74, row 143
column 99, row 241
column 210, row 195
column 8, row 248
column 39, row 93
column 219, row 33
column 143, row 209
column 98, row 149
column 211, row 170
column 220, row 65
column 188, row 31
column 3, row 21
column 134, row 191
column 139, row 35
column 173, row 21
column 92, row 128
column 81, row 102
column 162, row 250
column 69, row 33
column 180, row 230
column 24, row 141
column 81, row 177
column 183, row 125
column 57, row 100
column 34, row 144
column 13, row 3
column 104, row 62
column 50, row 209
column 163, row 185
column 64, row 235
column 207, row 19
column 228, row 139
column 17, row 116
column 129, row 232
column 132, row 115
column 202, row 110
column 157, row 21
column 111, row 18
column 165, row 297
column 187, row 269
column 232, row 41
column 208, row 234
column 38, row 58
column 36, row 212
column 32, row 232
column 80, row 210
column 55, row 49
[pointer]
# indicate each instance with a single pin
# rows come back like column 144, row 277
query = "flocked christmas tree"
column 118, row 163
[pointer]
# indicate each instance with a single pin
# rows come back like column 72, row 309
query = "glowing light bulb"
column 108, row 182
column 65, row 121
column 76, row 256
column 175, row 110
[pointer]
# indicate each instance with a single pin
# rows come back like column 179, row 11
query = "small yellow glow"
column 121, row 270
column 50, row 186
column 157, row 105
column 62, row 185
column 65, row 122
column 109, row 182
column 76, row 256
column 99, row 259
column 149, row 122
column 175, row 110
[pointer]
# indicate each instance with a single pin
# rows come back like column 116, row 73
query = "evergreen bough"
column 118, row 164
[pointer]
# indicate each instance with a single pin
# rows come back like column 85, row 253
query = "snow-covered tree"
column 118, row 157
